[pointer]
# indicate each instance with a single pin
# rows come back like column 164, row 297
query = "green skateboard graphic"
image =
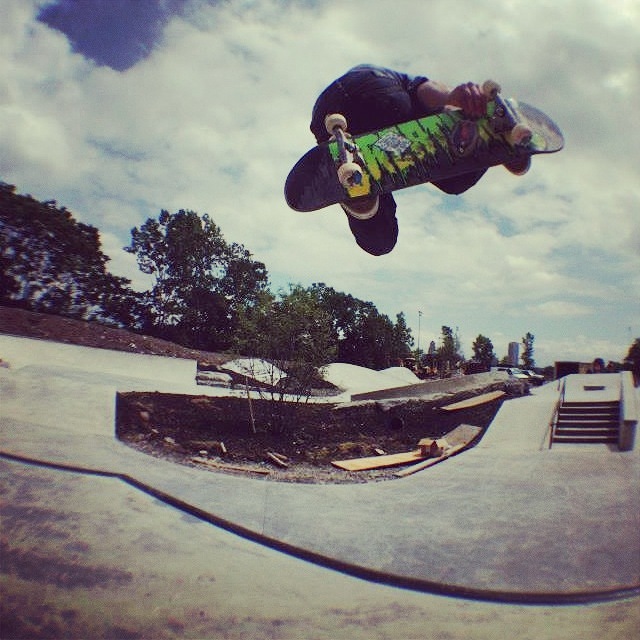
column 411, row 153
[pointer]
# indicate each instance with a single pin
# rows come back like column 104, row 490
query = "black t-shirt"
column 369, row 97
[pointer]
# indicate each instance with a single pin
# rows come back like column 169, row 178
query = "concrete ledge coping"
column 628, row 413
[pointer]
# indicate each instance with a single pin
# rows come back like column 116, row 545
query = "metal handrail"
column 554, row 418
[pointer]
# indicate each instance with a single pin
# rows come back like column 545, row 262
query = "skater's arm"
column 435, row 95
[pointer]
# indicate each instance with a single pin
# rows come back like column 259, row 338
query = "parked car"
column 518, row 374
column 536, row 378
column 515, row 373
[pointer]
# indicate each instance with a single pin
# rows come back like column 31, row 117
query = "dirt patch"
column 92, row 334
column 306, row 437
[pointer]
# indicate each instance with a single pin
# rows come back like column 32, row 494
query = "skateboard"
column 410, row 153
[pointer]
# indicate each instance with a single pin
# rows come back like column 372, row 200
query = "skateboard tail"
column 313, row 183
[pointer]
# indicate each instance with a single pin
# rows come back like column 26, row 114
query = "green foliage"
column 293, row 332
column 305, row 328
column 483, row 351
column 52, row 263
column 527, row 351
column 365, row 337
column 319, row 325
column 201, row 282
column 632, row 361
column 207, row 293
column 448, row 354
column 633, row 355
column 402, row 341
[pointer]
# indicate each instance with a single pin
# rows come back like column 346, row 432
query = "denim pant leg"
column 377, row 235
column 459, row 184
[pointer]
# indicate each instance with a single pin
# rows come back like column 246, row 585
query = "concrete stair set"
column 588, row 422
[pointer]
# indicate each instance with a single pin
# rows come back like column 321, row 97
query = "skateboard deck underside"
column 425, row 150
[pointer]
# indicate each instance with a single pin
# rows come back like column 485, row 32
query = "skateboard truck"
column 504, row 118
column 349, row 171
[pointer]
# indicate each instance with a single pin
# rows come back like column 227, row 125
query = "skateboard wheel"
column 349, row 174
column 334, row 120
column 491, row 89
column 520, row 135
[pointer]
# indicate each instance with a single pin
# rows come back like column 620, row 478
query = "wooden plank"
column 229, row 467
column 459, row 438
column 424, row 464
column 474, row 402
column 276, row 459
column 462, row 434
column 378, row 462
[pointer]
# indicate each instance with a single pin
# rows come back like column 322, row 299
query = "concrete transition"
column 508, row 521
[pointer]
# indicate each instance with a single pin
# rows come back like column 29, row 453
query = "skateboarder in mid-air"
column 373, row 97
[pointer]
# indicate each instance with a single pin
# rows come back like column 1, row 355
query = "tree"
column 429, row 361
column 52, row 263
column 527, row 351
column 292, row 328
column 365, row 337
column 447, row 354
column 632, row 361
column 201, row 283
column 203, row 288
column 293, row 333
column 483, row 351
column 402, row 340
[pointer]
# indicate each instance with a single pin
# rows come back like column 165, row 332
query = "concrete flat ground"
column 507, row 535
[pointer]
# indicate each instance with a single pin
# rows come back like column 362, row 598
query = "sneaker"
column 518, row 166
column 362, row 208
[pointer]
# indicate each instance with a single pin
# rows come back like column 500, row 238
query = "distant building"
column 514, row 353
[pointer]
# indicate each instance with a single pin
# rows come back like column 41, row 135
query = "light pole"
column 419, row 317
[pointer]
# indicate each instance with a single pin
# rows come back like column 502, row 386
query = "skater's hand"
column 470, row 99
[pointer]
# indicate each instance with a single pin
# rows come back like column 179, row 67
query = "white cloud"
column 559, row 309
column 581, row 348
column 216, row 116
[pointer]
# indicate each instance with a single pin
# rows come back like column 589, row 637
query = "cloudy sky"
column 120, row 108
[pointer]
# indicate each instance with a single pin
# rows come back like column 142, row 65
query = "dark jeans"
column 378, row 235
column 369, row 102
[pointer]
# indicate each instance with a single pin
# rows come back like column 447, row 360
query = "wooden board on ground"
column 459, row 438
column 378, row 462
column 474, row 402
column 462, row 434
column 425, row 464
column 228, row 467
